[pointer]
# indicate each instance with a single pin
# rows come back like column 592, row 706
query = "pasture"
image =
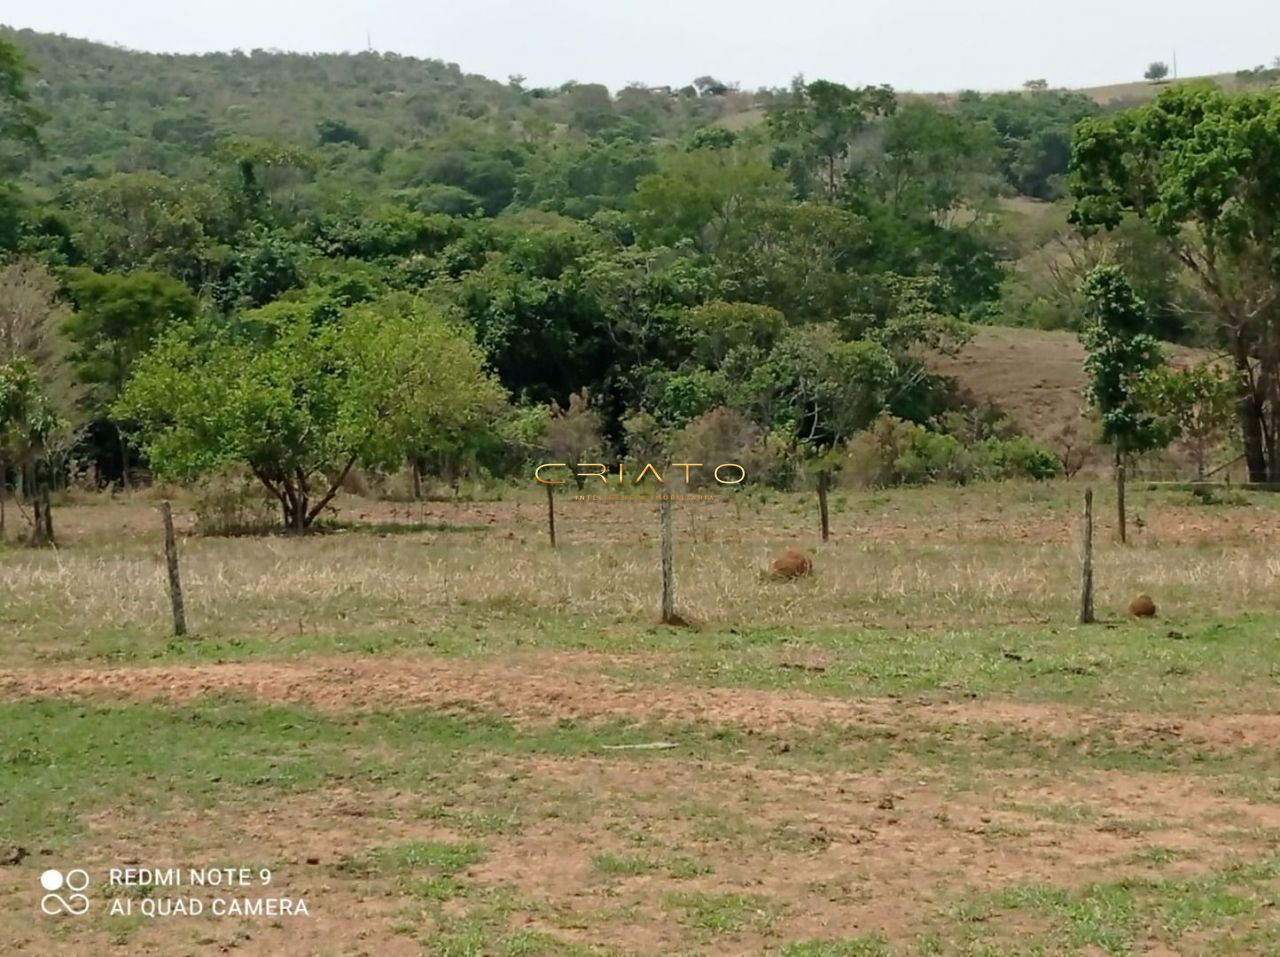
column 449, row 738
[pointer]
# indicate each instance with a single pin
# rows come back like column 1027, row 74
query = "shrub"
column 233, row 502
column 575, row 434
column 726, row 435
column 1018, row 457
column 895, row 452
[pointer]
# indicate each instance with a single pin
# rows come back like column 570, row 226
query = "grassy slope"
column 1035, row 376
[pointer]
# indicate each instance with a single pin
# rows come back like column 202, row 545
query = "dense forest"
column 310, row 266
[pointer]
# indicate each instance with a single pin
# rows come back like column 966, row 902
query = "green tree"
column 302, row 401
column 1119, row 349
column 117, row 318
column 1197, row 402
column 20, row 120
column 28, row 424
column 265, row 265
column 703, row 196
column 580, row 178
column 831, row 387
column 149, row 221
column 33, row 318
column 816, row 129
column 932, row 164
column 329, row 131
column 268, row 175
column 1203, row 168
column 1156, row 71
column 1033, row 132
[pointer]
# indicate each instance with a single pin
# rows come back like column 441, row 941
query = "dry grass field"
column 450, row 739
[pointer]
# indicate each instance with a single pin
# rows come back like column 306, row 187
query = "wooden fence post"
column 822, row 504
column 668, row 564
column 175, row 582
column 1121, row 519
column 1086, row 562
column 551, row 515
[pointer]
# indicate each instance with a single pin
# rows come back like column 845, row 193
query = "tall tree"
column 19, row 128
column 146, row 220
column 19, row 119
column 1119, row 350
column 1203, row 167
column 816, row 130
column 28, row 423
column 32, row 330
column 116, row 320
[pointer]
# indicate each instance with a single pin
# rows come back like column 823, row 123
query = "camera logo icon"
column 75, row 881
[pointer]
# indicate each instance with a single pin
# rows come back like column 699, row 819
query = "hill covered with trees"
column 621, row 273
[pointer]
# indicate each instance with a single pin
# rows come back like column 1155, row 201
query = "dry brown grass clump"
column 791, row 564
column 1142, row 607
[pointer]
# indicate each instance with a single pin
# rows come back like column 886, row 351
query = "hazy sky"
column 912, row 44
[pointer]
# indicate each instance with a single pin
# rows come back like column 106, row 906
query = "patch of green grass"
column 623, row 865
column 483, row 935
column 505, row 821
column 686, row 868
column 1061, row 813
column 439, row 856
column 716, row 914
column 422, row 869
column 929, row 945
column 873, row 946
column 1160, row 856
column 1116, row 917
column 221, row 751
column 796, row 837
column 1128, row 665
column 634, row 865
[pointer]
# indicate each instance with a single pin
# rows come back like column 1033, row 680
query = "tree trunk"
column 416, row 468
column 1120, row 517
column 37, row 522
column 4, row 492
column 124, row 459
column 48, row 516
column 1249, row 411
column 175, row 580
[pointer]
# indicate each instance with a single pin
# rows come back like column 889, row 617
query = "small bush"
column 1019, row 457
column 725, row 435
column 1208, row 495
column 894, row 452
column 234, row 503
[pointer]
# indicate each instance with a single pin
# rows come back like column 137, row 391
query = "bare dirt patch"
column 829, row 854
column 551, row 687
